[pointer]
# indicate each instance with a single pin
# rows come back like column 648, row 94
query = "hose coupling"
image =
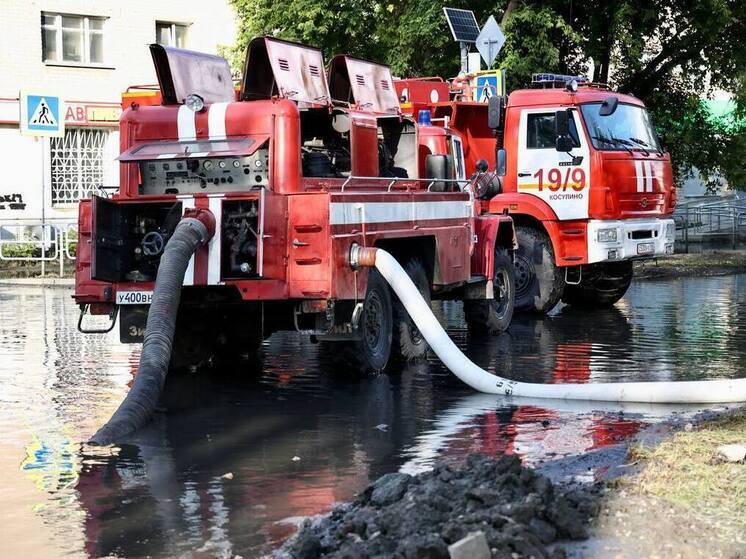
column 204, row 217
column 364, row 257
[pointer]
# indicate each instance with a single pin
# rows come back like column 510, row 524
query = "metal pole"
column 686, row 231
column 464, row 58
column 60, row 246
column 735, row 219
column 44, row 146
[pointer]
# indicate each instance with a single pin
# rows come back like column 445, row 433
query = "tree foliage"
column 669, row 53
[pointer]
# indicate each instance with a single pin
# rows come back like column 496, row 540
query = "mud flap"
column 132, row 320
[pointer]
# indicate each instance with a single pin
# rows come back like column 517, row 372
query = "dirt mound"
column 519, row 512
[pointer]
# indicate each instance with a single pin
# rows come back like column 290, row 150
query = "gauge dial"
column 208, row 165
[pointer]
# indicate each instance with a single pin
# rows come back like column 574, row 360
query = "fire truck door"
column 560, row 179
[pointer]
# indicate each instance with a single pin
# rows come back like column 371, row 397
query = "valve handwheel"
column 152, row 243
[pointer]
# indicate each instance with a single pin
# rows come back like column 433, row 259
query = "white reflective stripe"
column 639, row 176
column 216, row 121
column 199, row 154
column 213, row 247
column 186, row 204
column 186, row 122
column 165, row 156
column 348, row 213
column 260, row 248
column 649, row 177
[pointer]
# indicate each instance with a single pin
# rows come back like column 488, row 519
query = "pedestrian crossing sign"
column 41, row 114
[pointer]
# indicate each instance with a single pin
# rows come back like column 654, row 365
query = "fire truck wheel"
column 601, row 285
column 408, row 343
column 493, row 316
column 239, row 352
column 538, row 281
column 371, row 351
column 376, row 324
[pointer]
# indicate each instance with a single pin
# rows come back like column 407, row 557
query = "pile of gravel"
column 519, row 511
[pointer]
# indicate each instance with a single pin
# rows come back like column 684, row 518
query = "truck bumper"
column 613, row 240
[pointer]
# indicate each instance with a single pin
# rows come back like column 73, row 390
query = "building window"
column 72, row 39
column 81, row 161
column 170, row 34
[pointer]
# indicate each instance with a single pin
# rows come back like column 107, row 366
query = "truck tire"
column 408, row 343
column 198, row 344
column 238, row 351
column 493, row 316
column 193, row 344
column 601, row 285
column 539, row 283
column 371, row 351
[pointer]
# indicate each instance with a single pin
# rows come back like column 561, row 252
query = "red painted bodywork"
column 304, row 255
column 613, row 193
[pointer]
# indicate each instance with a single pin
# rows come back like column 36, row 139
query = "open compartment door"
column 284, row 69
column 118, row 230
column 364, row 84
column 184, row 72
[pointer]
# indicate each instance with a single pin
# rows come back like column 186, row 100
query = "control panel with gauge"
column 209, row 174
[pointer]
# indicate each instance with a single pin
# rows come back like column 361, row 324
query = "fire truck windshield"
column 627, row 128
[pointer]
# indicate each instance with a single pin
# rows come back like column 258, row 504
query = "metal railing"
column 392, row 181
column 722, row 219
column 51, row 242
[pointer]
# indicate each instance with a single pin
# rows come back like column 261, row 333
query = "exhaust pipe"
column 195, row 229
column 674, row 392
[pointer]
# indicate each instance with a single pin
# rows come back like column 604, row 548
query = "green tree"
column 669, row 53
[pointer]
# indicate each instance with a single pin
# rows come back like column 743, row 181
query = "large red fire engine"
column 296, row 170
column 578, row 167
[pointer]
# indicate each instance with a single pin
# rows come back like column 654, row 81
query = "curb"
column 59, row 283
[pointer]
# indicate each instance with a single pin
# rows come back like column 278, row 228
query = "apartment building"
column 87, row 52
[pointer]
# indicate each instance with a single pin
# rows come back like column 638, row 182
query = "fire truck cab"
column 297, row 169
column 581, row 172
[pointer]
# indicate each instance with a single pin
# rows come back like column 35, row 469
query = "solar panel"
column 463, row 24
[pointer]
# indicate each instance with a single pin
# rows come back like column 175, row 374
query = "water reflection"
column 301, row 436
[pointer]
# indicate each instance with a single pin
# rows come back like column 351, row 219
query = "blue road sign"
column 42, row 114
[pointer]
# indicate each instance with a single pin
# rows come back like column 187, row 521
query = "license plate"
column 645, row 248
column 134, row 297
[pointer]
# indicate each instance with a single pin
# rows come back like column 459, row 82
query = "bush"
column 20, row 250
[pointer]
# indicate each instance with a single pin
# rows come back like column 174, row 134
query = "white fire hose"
column 674, row 392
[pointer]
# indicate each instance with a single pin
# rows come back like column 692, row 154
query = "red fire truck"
column 577, row 166
column 296, row 169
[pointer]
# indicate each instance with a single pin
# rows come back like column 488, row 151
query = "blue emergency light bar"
column 559, row 79
column 423, row 117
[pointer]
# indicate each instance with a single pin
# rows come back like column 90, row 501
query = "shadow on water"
column 301, row 435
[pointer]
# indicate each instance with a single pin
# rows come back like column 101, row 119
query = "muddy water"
column 302, row 435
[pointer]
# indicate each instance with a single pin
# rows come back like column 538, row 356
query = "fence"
column 49, row 242
column 723, row 220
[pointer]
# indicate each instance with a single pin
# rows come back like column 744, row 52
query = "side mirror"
column 494, row 111
column 564, row 144
column 502, row 162
column 439, row 167
column 608, row 106
column 562, row 123
column 563, row 140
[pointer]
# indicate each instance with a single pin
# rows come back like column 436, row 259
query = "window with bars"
column 80, row 162
column 72, row 39
column 171, row 34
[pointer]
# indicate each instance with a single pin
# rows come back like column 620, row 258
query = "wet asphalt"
column 301, row 434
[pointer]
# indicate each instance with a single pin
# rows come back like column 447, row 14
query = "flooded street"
column 301, row 436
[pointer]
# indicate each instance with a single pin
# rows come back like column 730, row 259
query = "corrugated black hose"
column 136, row 409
